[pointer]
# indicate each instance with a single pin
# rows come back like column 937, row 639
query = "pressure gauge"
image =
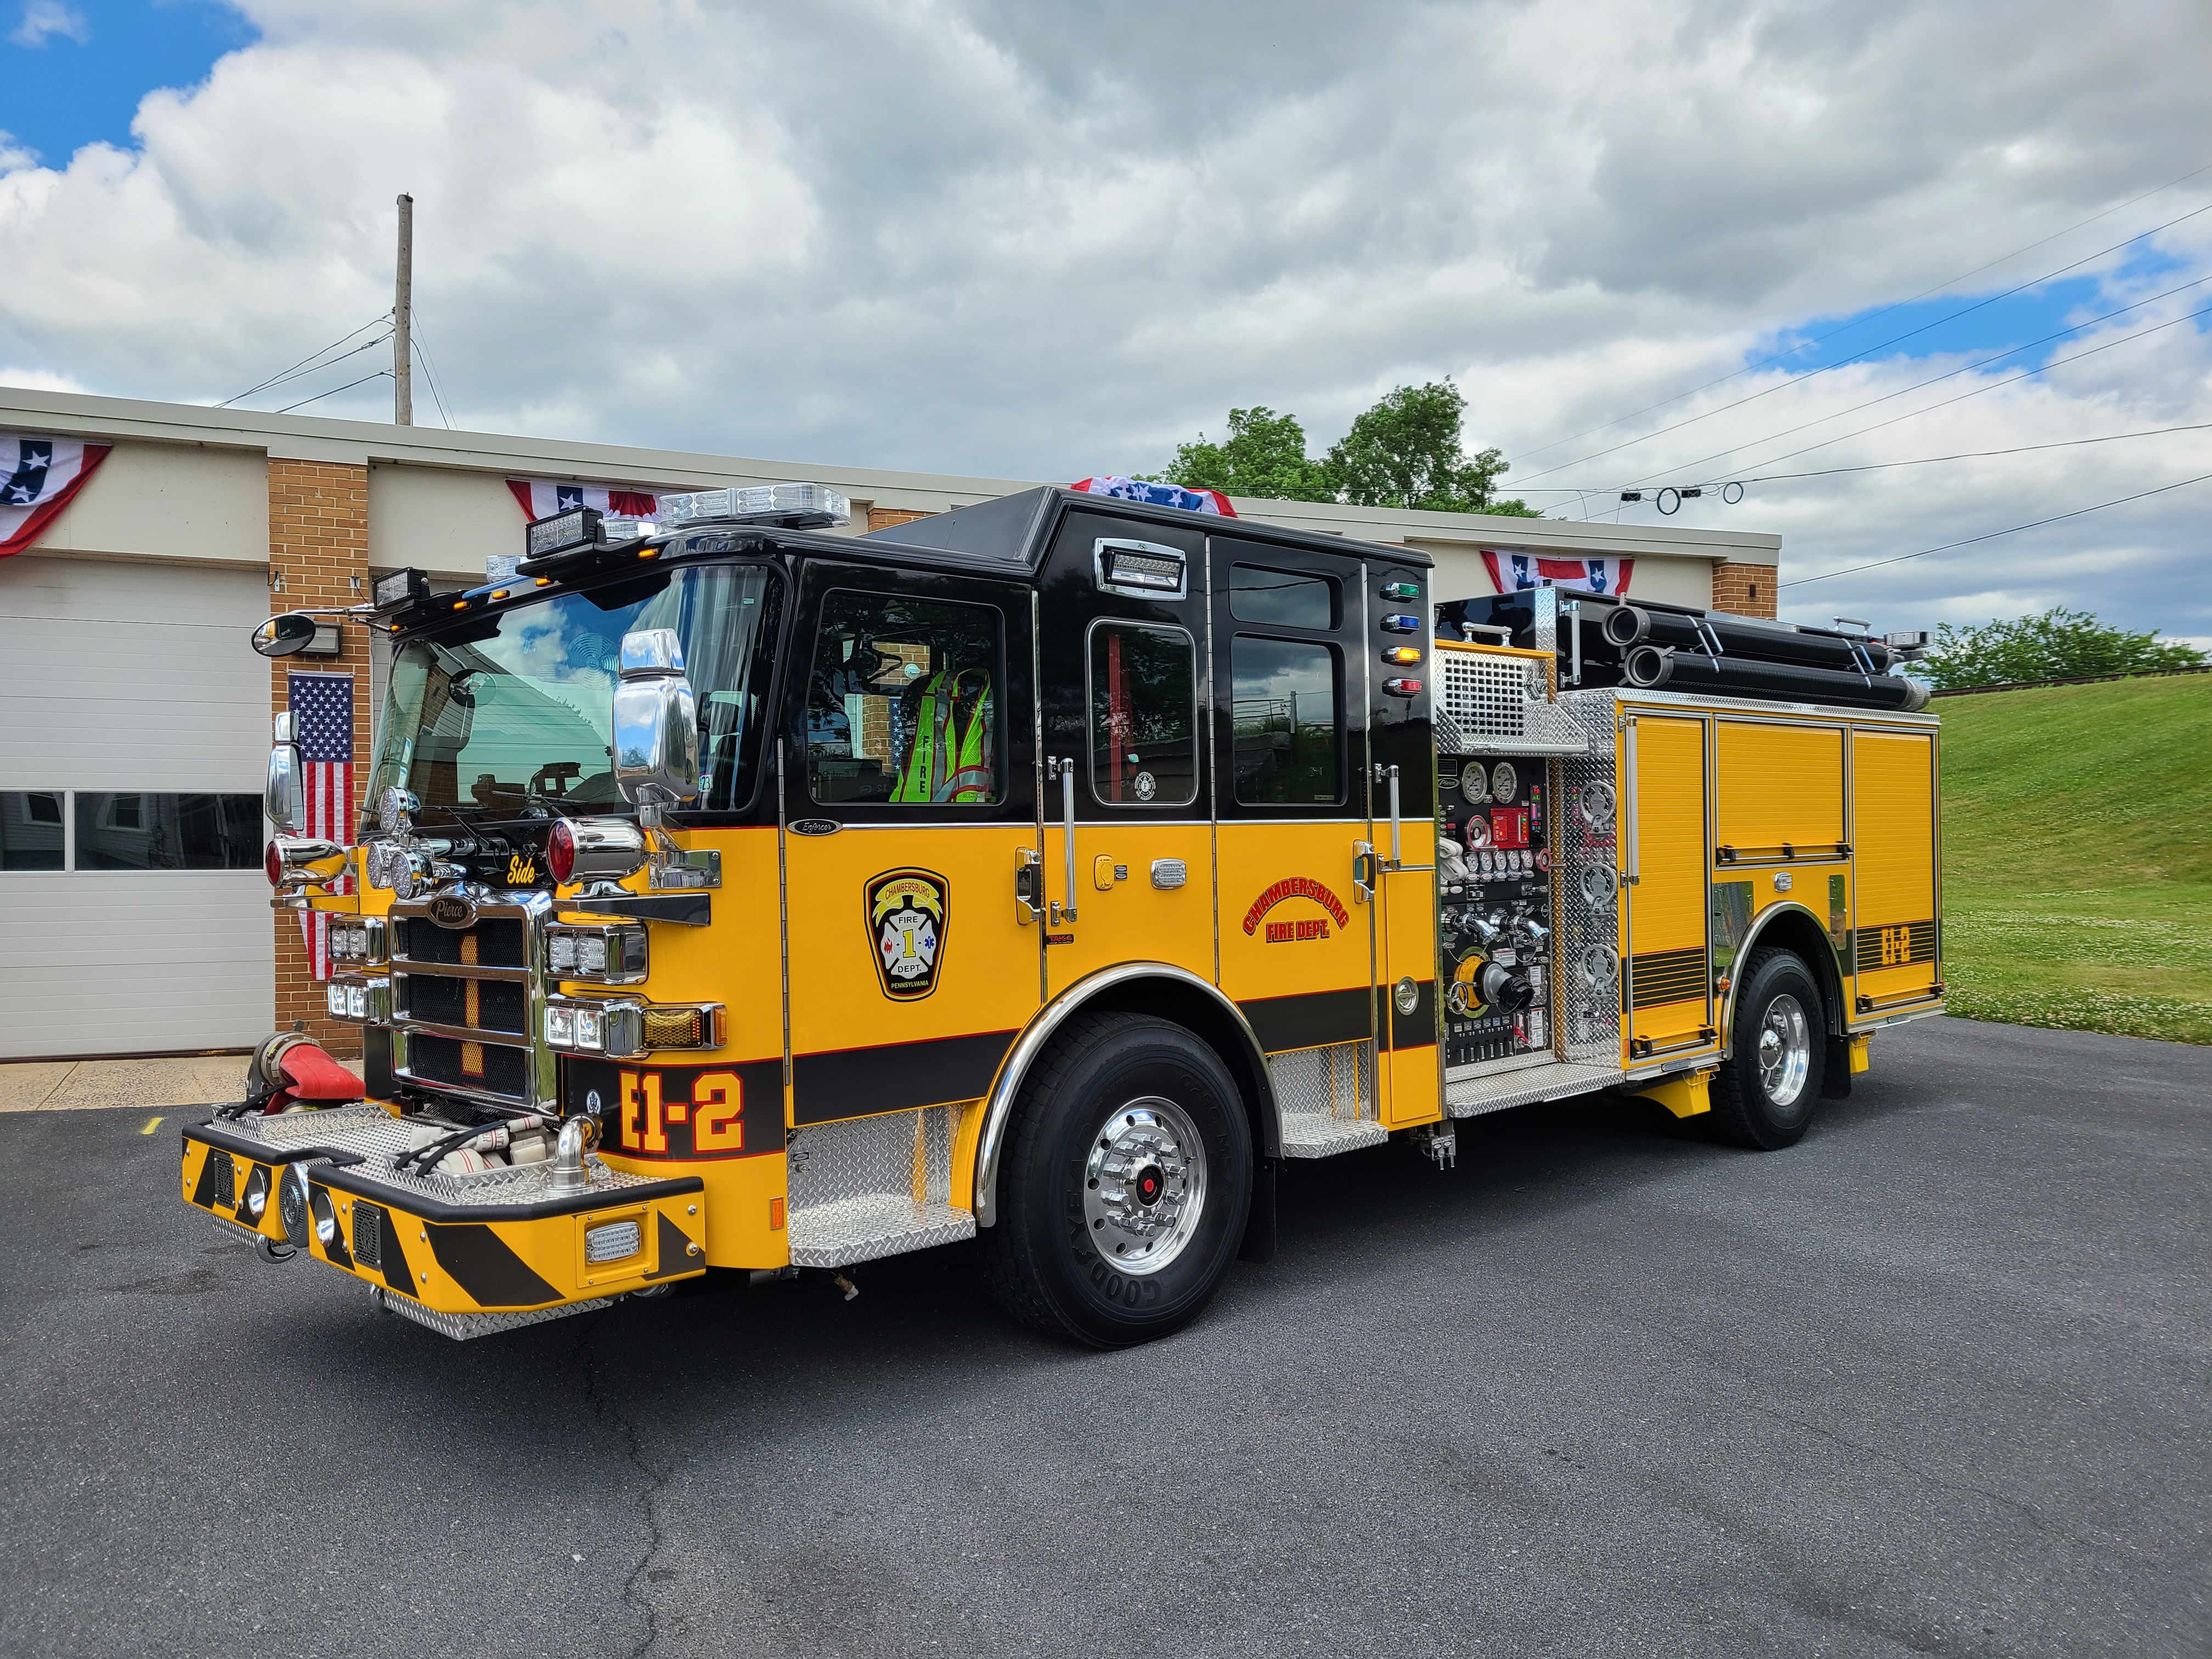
column 1474, row 783
column 1503, row 782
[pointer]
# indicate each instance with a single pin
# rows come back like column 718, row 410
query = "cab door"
column 908, row 810
column 1295, row 923
column 1127, row 831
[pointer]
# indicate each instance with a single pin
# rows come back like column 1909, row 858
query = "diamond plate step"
column 1471, row 1096
column 872, row 1224
column 1317, row 1134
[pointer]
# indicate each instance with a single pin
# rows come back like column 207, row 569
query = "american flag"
column 322, row 721
column 37, row 477
column 541, row 498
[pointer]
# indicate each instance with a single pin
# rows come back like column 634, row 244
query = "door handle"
column 1065, row 769
column 1389, row 774
column 1028, row 886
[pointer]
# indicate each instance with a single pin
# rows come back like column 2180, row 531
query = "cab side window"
column 1144, row 714
column 1286, row 721
column 903, row 703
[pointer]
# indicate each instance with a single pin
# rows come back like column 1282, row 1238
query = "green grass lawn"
column 2078, row 856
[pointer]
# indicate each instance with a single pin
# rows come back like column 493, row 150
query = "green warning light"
column 1402, row 590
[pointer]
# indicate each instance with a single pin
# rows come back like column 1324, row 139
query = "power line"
column 1977, row 454
column 328, row 363
column 287, row 373
column 1913, row 413
column 380, row 374
column 415, row 340
column 1807, row 582
column 1857, row 322
column 1884, row 345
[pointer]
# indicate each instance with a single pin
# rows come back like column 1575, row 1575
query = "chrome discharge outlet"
column 569, row 1173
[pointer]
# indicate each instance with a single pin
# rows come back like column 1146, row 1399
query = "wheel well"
column 1795, row 931
column 1208, row 1021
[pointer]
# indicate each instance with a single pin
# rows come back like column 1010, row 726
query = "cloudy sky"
column 1654, row 244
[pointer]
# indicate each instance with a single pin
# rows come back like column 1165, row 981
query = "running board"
column 1471, row 1096
column 872, row 1224
column 1317, row 1134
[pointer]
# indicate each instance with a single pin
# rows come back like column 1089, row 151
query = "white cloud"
column 987, row 237
column 44, row 19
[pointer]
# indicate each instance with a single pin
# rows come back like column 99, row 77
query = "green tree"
column 2056, row 645
column 1406, row 452
column 1264, row 455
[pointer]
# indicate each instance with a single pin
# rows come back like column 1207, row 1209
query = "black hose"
column 1631, row 625
column 1650, row 667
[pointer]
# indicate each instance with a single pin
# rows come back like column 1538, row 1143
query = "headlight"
column 326, row 1216
column 336, row 997
column 255, row 1199
column 357, row 997
column 561, row 1026
column 560, row 954
column 591, row 954
column 587, row 1029
column 610, row 953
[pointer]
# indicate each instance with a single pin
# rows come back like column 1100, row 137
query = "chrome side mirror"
column 282, row 800
column 285, row 636
column 656, row 730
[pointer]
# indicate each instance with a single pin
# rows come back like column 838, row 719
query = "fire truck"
column 732, row 894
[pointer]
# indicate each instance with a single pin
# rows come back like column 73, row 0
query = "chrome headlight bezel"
column 620, row 948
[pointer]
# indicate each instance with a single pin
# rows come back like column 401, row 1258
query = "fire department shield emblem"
column 908, row 913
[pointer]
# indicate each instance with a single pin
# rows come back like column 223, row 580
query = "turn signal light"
column 1404, row 656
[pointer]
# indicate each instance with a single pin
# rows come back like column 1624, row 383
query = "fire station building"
column 135, row 720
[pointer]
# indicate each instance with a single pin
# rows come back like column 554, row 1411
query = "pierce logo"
column 451, row 910
column 1295, row 887
column 908, row 913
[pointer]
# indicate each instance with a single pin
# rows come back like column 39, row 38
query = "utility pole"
column 403, row 300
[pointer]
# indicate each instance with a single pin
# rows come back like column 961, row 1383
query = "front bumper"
column 464, row 1255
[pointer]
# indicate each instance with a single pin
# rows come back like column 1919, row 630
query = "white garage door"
column 133, row 739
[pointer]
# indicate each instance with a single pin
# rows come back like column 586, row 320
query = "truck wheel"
column 1124, row 1184
column 1767, row 1089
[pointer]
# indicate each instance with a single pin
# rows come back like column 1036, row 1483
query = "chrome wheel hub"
column 1785, row 1050
column 1144, row 1185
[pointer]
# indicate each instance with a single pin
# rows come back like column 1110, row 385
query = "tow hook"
column 1439, row 1144
column 270, row 1251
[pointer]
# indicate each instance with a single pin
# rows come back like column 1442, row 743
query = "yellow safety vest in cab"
column 949, row 759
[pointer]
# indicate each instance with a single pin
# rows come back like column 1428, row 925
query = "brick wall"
column 318, row 555
column 1745, row 589
column 882, row 518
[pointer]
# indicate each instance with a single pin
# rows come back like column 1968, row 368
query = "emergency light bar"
column 578, row 527
column 789, row 506
column 401, row 587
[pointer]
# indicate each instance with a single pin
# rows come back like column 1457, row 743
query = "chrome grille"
column 468, row 1002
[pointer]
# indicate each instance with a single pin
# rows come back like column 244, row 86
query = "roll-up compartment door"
column 1668, row 984
column 1895, row 936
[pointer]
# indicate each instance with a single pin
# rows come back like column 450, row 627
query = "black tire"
column 1045, row 1260
column 1765, row 1098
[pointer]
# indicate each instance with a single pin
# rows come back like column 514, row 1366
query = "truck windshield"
column 514, row 711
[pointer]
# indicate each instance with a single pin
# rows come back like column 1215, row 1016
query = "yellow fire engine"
column 735, row 895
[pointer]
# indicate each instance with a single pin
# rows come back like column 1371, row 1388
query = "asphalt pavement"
column 1934, row 1382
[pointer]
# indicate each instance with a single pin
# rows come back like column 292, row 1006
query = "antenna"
column 403, row 300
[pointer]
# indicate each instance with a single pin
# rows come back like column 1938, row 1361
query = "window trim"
column 803, row 705
column 1341, row 725
column 1089, row 705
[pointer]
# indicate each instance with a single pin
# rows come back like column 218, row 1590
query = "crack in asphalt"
column 604, row 1409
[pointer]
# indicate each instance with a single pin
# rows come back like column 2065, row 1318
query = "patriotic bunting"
column 1153, row 493
column 1512, row 571
column 541, row 498
column 38, row 477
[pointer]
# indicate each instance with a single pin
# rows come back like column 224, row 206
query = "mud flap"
column 1259, row 1224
